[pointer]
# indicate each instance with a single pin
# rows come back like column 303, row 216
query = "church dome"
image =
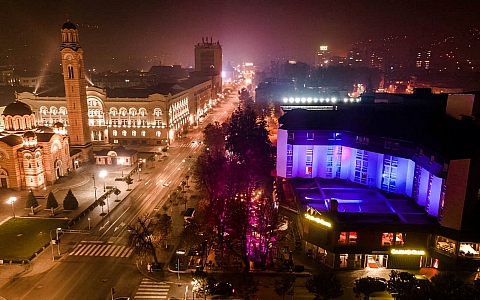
column 69, row 25
column 44, row 129
column 17, row 108
column 29, row 139
column 29, row 135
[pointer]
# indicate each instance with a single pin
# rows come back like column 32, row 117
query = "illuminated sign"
column 323, row 48
column 318, row 220
column 407, row 252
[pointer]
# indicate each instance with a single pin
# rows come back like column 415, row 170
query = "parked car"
column 223, row 289
column 381, row 284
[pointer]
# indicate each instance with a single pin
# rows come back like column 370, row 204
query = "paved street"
column 91, row 264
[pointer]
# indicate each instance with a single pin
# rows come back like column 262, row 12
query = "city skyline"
column 126, row 36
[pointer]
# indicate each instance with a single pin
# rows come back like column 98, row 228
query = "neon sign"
column 407, row 252
column 318, row 220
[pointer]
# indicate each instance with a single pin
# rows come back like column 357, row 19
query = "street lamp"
column 120, row 162
column 140, row 161
column 12, row 200
column 169, row 196
column 56, row 241
column 102, row 175
column 94, row 187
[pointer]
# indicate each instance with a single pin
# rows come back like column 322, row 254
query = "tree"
column 51, row 201
column 263, row 231
column 101, row 202
column 324, row 285
column 403, row 284
column 70, row 202
column 366, row 286
column 446, row 286
column 31, row 200
column 128, row 181
column 203, row 283
column 187, row 178
column 284, row 285
column 116, row 192
column 165, row 227
column 246, row 285
column 141, row 237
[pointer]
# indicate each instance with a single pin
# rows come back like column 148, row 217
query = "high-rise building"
column 208, row 57
column 75, row 91
column 322, row 58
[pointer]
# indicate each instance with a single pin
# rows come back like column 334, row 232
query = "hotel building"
column 387, row 181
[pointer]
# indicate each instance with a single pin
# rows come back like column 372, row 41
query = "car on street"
column 223, row 289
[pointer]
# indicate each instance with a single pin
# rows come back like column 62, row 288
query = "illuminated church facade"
column 49, row 131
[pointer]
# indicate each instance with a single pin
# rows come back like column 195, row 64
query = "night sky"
column 138, row 34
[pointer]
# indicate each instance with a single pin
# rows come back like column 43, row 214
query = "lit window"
column 157, row 133
column 114, row 133
column 134, row 133
column 143, row 133
column 124, row 132
column 310, row 136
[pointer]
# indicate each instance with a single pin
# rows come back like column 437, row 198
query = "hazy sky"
column 139, row 33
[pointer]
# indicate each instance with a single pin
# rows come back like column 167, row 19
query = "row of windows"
column 134, row 133
column 126, row 122
column 53, row 110
column 133, row 112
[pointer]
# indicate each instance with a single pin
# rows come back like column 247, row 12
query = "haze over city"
column 136, row 35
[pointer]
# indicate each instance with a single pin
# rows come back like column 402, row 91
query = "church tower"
column 75, row 91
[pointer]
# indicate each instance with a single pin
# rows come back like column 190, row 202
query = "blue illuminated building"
column 388, row 181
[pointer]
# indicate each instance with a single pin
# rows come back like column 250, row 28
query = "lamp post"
column 102, row 175
column 56, row 241
column 58, row 244
column 89, row 227
column 139, row 163
column 12, row 200
column 169, row 195
column 94, row 187
column 120, row 161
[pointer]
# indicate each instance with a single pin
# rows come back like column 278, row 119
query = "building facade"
column 389, row 185
column 31, row 156
column 142, row 115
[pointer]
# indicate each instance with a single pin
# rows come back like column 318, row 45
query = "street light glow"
column 11, row 200
column 103, row 174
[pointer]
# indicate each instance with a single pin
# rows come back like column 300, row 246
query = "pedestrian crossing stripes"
column 101, row 250
column 189, row 145
column 150, row 289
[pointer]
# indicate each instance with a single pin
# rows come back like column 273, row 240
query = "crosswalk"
column 87, row 249
column 150, row 289
column 190, row 145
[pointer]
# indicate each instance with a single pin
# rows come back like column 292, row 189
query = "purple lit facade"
column 381, row 181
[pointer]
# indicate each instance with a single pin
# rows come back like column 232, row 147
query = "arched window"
column 157, row 133
column 143, row 133
column 132, row 111
column 134, row 133
column 113, row 111
column 114, row 132
column 62, row 110
column 157, row 112
column 43, row 110
column 70, row 72
column 124, row 132
column 123, row 111
column 142, row 112
column 53, row 110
